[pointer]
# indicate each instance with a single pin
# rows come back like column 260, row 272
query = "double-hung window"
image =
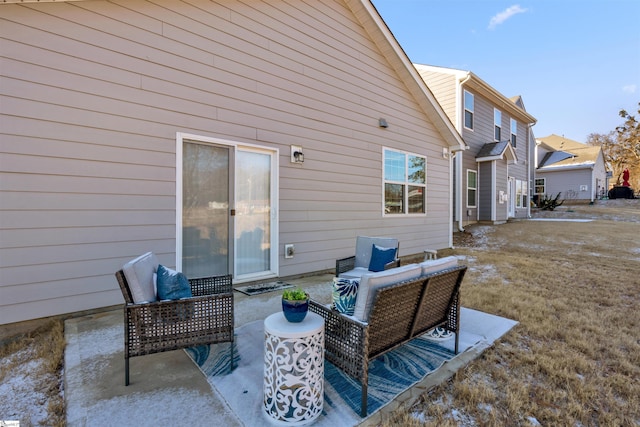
column 497, row 124
column 468, row 110
column 540, row 184
column 514, row 132
column 472, row 188
column 405, row 182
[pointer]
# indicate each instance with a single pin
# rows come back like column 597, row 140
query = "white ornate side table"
column 293, row 369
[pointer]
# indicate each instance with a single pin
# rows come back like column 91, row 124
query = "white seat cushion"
column 433, row 265
column 356, row 273
column 371, row 282
column 139, row 274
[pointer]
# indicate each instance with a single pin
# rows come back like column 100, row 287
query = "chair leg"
column 126, row 371
column 363, row 401
column 232, row 367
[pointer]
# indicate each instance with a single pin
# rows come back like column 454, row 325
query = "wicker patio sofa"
column 157, row 326
column 399, row 313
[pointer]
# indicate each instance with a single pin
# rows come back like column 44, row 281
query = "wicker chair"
column 355, row 266
column 159, row 326
column 400, row 312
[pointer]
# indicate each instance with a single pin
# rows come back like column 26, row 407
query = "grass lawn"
column 574, row 358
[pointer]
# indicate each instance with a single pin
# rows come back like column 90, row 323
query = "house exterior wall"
column 481, row 134
column 94, row 93
column 449, row 85
column 443, row 87
column 568, row 183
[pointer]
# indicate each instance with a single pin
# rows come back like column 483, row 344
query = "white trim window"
column 540, row 186
column 405, row 184
column 497, row 124
column 472, row 188
column 514, row 132
column 468, row 110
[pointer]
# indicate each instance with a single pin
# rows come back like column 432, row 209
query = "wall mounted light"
column 383, row 123
column 445, row 152
column 297, row 156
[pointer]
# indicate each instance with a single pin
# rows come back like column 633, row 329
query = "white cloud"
column 629, row 88
column 504, row 15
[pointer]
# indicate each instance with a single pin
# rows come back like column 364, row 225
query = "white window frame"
column 471, row 111
column 497, row 124
column 405, row 183
column 536, row 185
column 514, row 132
column 475, row 199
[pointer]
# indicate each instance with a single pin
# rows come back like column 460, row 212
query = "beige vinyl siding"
column 92, row 96
column 443, row 87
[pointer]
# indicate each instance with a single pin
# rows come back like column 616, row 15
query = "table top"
column 277, row 324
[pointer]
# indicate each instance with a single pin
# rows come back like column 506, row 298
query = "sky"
column 576, row 63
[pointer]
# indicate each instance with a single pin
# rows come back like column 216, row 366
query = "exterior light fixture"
column 297, row 156
column 383, row 123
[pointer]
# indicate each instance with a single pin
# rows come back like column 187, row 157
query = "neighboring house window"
column 514, row 132
column 540, row 185
column 404, row 182
column 472, row 188
column 468, row 110
column 497, row 123
column 521, row 194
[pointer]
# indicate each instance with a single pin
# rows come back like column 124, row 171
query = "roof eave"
column 373, row 23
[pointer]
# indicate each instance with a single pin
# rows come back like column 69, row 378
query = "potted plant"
column 295, row 304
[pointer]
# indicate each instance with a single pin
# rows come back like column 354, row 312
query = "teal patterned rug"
column 389, row 375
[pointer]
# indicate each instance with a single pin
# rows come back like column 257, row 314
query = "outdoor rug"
column 389, row 375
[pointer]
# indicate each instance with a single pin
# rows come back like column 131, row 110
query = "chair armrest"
column 393, row 264
column 211, row 285
column 345, row 264
column 346, row 340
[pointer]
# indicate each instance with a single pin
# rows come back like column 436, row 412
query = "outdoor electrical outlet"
column 289, row 250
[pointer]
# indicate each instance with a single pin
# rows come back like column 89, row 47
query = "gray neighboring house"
column 575, row 170
column 493, row 178
column 211, row 133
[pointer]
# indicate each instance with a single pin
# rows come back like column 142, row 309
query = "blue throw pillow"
column 172, row 285
column 344, row 294
column 380, row 257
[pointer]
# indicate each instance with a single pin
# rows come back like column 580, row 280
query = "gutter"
column 458, row 158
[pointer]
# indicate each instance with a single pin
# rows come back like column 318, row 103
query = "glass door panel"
column 253, row 213
column 205, row 210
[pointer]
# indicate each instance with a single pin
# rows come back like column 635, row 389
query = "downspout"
column 458, row 158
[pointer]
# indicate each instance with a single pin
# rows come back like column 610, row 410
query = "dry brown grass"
column 43, row 350
column 574, row 358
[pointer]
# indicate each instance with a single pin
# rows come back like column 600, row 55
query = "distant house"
column 493, row 177
column 577, row 171
column 211, row 133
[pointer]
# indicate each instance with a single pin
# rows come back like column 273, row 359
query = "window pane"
column 471, row 197
column 471, row 179
column 416, row 170
column 497, row 134
column 393, row 198
column 416, row 199
column 468, row 101
column 394, row 166
column 468, row 119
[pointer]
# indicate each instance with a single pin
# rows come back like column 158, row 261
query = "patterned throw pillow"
column 344, row 294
